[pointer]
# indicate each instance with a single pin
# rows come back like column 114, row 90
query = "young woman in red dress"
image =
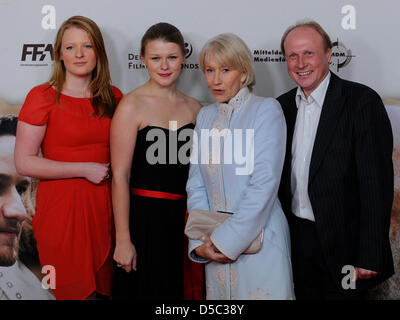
column 69, row 119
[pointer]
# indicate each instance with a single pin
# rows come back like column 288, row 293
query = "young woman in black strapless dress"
column 150, row 174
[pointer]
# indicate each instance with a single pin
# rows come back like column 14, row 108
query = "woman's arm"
column 199, row 250
column 258, row 198
column 28, row 163
column 195, row 187
column 124, row 128
column 210, row 252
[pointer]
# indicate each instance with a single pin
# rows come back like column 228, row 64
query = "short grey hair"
column 228, row 49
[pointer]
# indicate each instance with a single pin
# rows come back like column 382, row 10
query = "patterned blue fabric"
column 250, row 192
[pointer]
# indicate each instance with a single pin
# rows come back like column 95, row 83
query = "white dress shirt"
column 308, row 114
column 17, row 282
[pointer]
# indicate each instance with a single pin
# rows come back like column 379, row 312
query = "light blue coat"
column 252, row 197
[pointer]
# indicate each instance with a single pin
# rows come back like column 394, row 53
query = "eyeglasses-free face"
column 307, row 60
column 223, row 81
column 164, row 61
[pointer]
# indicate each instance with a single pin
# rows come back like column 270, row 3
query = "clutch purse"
column 202, row 223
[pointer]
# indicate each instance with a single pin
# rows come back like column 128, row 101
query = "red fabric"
column 156, row 194
column 73, row 221
column 194, row 275
column 193, row 272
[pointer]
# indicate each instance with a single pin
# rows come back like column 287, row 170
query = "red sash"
column 156, row 194
column 193, row 272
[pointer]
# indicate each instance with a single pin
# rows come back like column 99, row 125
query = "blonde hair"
column 103, row 101
column 228, row 49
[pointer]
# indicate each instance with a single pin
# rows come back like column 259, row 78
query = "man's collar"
column 318, row 95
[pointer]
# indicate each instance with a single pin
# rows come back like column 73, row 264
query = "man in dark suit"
column 337, row 181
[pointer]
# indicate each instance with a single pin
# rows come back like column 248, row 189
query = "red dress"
column 73, row 220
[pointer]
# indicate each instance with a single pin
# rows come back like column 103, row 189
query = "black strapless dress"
column 156, row 224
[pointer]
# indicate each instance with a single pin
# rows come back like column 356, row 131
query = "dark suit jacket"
column 351, row 178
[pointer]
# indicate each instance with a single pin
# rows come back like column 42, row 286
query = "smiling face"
column 223, row 81
column 307, row 60
column 164, row 61
column 77, row 53
column 12, row 210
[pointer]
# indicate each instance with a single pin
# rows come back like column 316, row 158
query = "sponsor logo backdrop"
column 364, row 32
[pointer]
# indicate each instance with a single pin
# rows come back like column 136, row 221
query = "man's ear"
column 328, row 54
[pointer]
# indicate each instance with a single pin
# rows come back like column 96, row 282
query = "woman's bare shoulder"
column 193, row 104
column 133, row 101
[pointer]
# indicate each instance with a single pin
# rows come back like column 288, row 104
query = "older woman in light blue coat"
column 236, row 165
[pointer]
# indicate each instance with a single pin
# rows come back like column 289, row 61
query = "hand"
column 97, row 172
column 361, row 273
column 125, row 256
column 209, row 251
